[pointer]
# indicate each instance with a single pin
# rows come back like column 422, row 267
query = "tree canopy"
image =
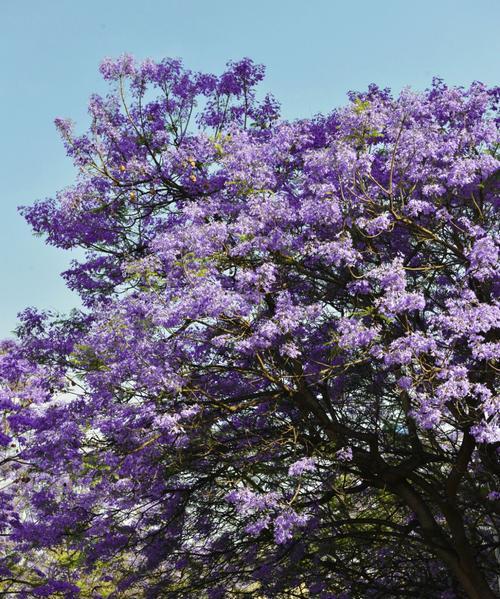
column 282, row 379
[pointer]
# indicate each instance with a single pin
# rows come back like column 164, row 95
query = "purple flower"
column 483, row 258
column 247, row 501
column 300, row 466
column 285, row 525
column 405, row 382
column 344, row 454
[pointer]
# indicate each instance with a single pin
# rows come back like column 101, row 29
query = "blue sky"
column 315, row 51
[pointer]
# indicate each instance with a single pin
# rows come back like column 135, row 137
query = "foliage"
column 282, row 382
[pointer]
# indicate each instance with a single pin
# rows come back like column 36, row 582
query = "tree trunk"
column 472, row 581
column 458, row 556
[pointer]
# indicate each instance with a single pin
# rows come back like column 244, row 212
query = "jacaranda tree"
column 281, row 382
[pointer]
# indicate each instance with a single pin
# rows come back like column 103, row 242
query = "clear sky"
column 315, row 51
